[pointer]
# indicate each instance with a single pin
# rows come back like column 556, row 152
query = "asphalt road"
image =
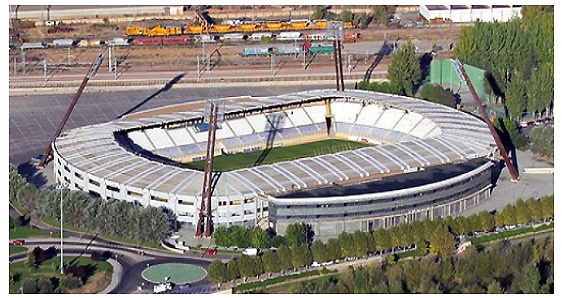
column 33, row 119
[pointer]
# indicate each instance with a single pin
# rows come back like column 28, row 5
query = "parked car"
column 211, row 252
column 251, row 251
column 315, row 264
column 163, row 287
column 18, row 242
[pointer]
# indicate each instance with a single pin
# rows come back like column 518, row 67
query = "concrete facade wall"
column 329, row 220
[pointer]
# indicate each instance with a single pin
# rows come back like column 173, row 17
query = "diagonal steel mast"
column 462, row 73
column 91, row 73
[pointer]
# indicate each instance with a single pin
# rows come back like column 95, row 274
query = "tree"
column 542, row 141
column 301, row 256
column 437, row 94
column 218, row 272
column 285, row 258
column 45, row 285
column 534, row 209
column 319, row 12
column 319, row 251
column 380, row 14
column 233, row 270
column 442, row 242
column 530, row 279
column 258, row 238
column 68, row 282
column 246, row 266
column 345, row 242
column 346, row 16
column 361, row 246
column 29, row 286
column 495, row 288
column 522, row 212
column 547, row 206
column 508, row 214
column 486, row 220
column 270, row 261
column 516, row 97
column 333, row 250
column 295, row 234
column 404, row 69
column 540, row 90
column 221, row 236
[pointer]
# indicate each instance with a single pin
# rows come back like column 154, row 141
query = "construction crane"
column 90, row 74
column 466, row 80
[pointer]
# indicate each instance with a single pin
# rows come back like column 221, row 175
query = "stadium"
column 337, row 160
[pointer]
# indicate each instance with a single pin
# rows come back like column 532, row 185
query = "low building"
column 471, row 13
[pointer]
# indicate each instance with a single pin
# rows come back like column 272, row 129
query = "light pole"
column 61, row 186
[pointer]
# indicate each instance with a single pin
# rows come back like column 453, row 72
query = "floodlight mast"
column 466, row 80
column 91, row 73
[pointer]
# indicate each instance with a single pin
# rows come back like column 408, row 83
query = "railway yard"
column 85, row 41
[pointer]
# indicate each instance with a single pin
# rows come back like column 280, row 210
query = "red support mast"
column 484, row 115
column 205, row 217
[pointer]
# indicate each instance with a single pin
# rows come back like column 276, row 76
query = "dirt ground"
column 97, row 283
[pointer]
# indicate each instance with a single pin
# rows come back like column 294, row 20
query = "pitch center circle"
column 176, row 273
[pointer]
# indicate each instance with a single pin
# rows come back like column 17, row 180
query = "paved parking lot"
column 33, row 119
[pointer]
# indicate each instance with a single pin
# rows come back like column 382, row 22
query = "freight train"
column 248, row 27
column 285, row 50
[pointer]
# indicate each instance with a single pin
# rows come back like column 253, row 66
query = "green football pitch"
column 225, row 163
column 178, row 273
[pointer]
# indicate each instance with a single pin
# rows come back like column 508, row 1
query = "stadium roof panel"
column 448, row 136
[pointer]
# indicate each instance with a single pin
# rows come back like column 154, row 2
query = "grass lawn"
column 26, row 232
column 412, row 253
column 264, row 283
column 511, row 233
column 16, row 249
column 49, row 268
column 225, row 163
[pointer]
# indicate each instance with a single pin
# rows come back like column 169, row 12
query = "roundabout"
column 178, row 273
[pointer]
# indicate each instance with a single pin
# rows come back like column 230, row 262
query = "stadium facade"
column 428, row 160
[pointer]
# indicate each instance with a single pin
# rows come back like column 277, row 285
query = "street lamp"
column 60, row 187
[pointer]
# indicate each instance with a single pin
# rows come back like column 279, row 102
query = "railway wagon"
column 257, row 51
column 259, row 35
column 288, row 50
column 33, row 45
column 235, row 37
column 91, row 43
column 176, row 40
column 147, row 41
column 63, row 43
column 320, row 49
column 15, row 43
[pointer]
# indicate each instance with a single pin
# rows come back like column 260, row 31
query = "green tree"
column 69, row 282
column 259, row 238
column 442, row 242
column 345, row 241
column 346, row 16
column 319, row 12
column 486, row 220
column 495, row 288
column 508, row 214
column 404, row 69
column 522, row 212
column 534, row 209
column 270, row 261
column 285, row 258
column 530, row 279
column 380, row 14
column 542, row 141
column 359, row 240
column 547, row 206
column 221, row 236
column 333, row 250
column 45, row 286
column 29, row 286
column 516, row 97
column 319, row 251
column 382, row 237
column 218, row 272
column 233, row 270
column 301, row 256
column 295, row 234
column 437, row 94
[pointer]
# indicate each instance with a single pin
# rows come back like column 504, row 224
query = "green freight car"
column 15, row 43
column 318, row 49
column 257, row 51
